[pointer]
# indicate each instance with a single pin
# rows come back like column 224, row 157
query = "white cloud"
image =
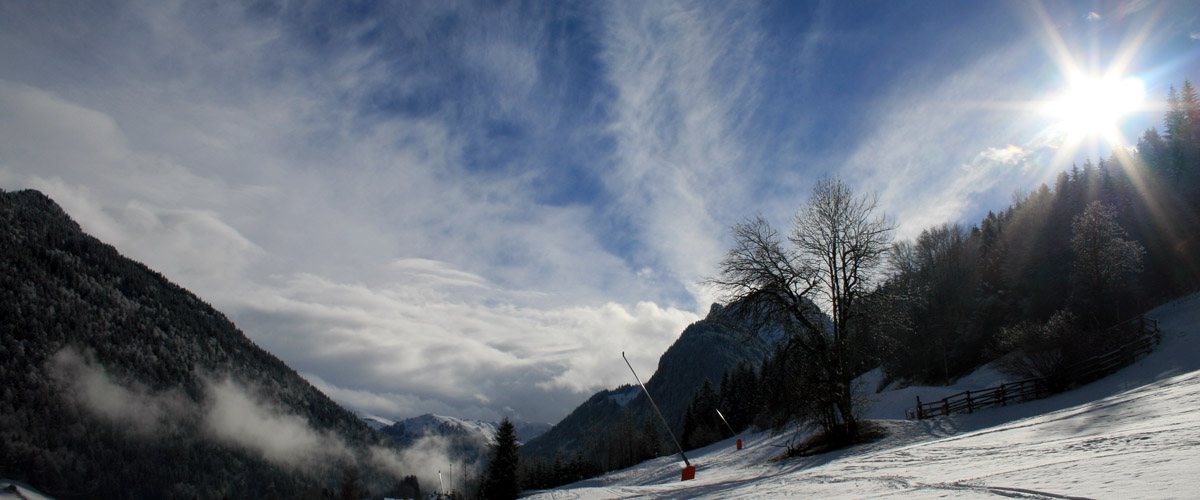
column 136, row 408
column 440, row 346
column 234, row 417
column 1009, row 155
column 413, row 328
column 356, row 247
column 932, row 157
column 681, row 169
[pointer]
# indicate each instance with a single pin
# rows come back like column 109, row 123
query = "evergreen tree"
column 501, row 481
column 351, row 489
column 701, row 424
column 1174, row 119
column 1189, row 104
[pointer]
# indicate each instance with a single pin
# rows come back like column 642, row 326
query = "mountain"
column 117, row 383
column 527, row 431
column 468, row 440
column 411, row 429
column 1129, row 435
column 703, row 351
column 429, row 425
column 376, row 422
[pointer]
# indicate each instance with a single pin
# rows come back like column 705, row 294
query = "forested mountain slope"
column 703, row 351
column 116, row 383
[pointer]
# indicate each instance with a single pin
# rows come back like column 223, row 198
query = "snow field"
column 1134, row 434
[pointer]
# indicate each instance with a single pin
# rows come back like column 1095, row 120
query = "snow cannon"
column 689, row 472
column 739, row 444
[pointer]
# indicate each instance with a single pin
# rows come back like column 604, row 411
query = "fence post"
column 1003, row 396
column 918, row 407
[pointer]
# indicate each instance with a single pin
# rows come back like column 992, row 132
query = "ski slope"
column 13, row 490
column 1134, row 434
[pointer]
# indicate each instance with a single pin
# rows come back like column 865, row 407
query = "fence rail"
column 1039, row 387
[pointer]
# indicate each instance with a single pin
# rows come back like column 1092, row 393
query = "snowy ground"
column 12, row 490
column 1135, row 434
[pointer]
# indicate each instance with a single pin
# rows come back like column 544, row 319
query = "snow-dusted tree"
column 836, row 243
column 1105, row 258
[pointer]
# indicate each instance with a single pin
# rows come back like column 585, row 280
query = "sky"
column 472, row 208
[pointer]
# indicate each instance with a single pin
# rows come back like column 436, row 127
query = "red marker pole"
column 689, row 472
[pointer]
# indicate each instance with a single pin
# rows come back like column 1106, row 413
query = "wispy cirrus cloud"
column 473, row 207
column 327, row 195
column 684, row 78
column 933, row 156
column 448, row 339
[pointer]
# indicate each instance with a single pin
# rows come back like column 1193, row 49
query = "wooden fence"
column 1015, row 392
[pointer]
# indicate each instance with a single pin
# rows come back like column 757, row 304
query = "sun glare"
column 1096, row 106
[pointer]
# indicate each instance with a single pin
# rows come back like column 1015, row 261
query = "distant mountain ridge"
column 703, row 351
column 117, row 383
column 465, row 441
column 411, row 429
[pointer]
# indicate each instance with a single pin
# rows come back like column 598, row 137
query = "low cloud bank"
column 233, row 415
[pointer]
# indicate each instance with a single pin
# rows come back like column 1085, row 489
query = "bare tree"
column 836, row 244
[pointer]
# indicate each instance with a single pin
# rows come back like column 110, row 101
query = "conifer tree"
column 1174, row 117
column 501, row 481
column 351, row 488
column 1189, row 103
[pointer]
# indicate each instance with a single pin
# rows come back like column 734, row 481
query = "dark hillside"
column 703, row 351
column 78, row 319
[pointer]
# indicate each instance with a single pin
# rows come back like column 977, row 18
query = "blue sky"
column 472, row 208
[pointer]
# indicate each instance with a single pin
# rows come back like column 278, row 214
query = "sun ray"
column 1097, row 98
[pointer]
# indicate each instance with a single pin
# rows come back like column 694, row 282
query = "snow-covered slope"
column 376, row 422
column 430, row 424
column 1135, row 434
column 12, row 490
column 412, row 429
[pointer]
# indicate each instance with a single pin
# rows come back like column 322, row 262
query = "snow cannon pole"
column 730, row 427
column 689, row 472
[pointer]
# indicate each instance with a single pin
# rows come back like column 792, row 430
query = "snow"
column 376, row 422
column 623, row 398
column 13, row 490
column 430, row 424
column 1134, row 434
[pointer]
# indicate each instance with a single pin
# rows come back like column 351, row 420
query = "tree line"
column 1038, row 284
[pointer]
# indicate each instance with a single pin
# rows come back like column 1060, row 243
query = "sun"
column 1096, row 107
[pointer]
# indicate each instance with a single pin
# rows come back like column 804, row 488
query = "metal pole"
column 656, row 410
column 727, row 426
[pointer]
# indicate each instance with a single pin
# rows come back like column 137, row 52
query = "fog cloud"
column 234, row 415
column 144, row 412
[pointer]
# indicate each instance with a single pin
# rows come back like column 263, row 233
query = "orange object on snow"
column 689, row 472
